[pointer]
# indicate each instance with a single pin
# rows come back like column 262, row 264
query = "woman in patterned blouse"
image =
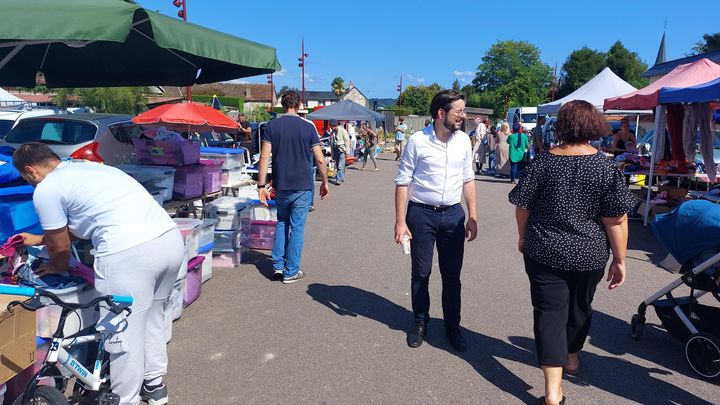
column 571, row 209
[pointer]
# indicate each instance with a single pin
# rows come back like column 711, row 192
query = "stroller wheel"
column 636, row 326
column 702, row 351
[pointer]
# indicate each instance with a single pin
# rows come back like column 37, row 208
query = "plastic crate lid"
column 211, row 162
column 258, row 202
column 195, row 262
column 222, row 151
column 187, row 223
column 206, row 248
column 17, row 190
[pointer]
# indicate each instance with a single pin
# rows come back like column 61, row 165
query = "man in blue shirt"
column 293, row 142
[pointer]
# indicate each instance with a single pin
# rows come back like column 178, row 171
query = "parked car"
column 645, row 146
column 105, row 138
column 10, row 116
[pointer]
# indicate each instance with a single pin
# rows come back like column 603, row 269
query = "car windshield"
column 5, row 126
column 526, row 118
column 52, row 131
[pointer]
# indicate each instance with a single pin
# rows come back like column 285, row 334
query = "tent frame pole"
column 658, row 111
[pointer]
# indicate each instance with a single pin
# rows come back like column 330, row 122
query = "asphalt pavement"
column 338, row 337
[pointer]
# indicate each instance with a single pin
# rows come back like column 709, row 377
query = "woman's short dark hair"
column 290, row 99
column 443, row 100
column 33, row 154
column 578, row 121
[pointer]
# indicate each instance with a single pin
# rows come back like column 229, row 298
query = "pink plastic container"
column 188, row 182
column 260, row 234
column 212, row 175
column 168, row 153
column 193, row 281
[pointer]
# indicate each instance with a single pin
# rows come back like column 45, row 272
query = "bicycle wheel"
column 44, row 395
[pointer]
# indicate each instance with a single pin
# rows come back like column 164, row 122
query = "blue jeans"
column 516, row 169
column 292, row 211
column 339, row 158
column 491, row 162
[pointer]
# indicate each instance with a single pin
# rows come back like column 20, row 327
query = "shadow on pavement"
column 262, row 262
column 622, row 378
column 482, row 352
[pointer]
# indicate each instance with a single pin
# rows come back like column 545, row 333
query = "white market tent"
column 8, row 99
column 605, row 85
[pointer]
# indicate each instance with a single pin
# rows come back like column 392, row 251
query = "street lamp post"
column 272, row 92
column 399, row 89
column 183, row 14
column 301, row 59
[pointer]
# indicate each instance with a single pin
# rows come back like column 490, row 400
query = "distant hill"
column 382, row 102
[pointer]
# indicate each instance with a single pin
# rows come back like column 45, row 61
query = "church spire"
column 661, row 52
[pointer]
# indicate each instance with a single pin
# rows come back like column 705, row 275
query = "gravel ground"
column 338, row 336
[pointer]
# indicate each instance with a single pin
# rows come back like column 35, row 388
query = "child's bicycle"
column 91, row 387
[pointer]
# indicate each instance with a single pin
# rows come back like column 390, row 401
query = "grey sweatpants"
column 147, row 273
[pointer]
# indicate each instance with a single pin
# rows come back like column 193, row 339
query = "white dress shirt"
column 435, row 171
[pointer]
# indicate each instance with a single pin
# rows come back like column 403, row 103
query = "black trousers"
column 562, row 309
column 446, row 229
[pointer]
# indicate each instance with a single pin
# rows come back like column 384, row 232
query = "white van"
column 528, row 115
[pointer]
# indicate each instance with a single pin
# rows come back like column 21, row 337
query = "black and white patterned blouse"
column 567, row 196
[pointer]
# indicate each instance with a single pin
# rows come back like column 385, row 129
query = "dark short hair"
column 33, row 153
column 290, row 99
column 578, row 121
column 443, row 100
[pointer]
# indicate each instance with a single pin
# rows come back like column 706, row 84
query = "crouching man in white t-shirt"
column 139, row 251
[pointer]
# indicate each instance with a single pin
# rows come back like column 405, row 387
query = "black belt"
column 436, row 208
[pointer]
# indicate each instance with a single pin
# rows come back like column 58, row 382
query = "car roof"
column 90, row 117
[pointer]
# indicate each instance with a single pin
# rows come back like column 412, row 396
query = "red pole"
column 554, row 76
column 302, row 56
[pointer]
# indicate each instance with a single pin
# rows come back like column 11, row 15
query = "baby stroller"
column 691, row 234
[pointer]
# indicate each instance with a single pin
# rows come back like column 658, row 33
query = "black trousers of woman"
column 562, row 309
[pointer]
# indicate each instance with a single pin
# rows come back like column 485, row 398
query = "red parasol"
column 186, row 116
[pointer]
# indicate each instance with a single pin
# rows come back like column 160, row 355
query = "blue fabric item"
column 8, row 172
column 292, row 139
column 58, row 281
column 293, row 208
column 689, row 230
column 694, row 94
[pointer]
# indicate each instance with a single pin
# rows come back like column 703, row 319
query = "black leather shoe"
column 416, row 335
column 457, row 341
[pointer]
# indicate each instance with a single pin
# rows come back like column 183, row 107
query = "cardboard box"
column 17, row 338
column 659, row 209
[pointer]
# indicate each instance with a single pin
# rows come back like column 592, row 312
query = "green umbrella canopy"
column 97, row 43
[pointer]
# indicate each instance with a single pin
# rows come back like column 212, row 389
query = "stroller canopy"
column 692, row 228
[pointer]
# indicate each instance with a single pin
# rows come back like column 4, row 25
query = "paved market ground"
column 339, row 336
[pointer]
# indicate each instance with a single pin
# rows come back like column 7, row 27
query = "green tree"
column 627, row 65
column 417, row 98
column 338, row 86
column 456, row 85
column 511, row 74
column 710, row 43
column 581, row 66
column 258, row 114
column 118, row 100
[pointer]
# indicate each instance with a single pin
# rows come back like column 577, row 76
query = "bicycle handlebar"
column 113, row 300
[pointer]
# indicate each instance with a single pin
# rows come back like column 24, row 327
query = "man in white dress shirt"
column 435, row 173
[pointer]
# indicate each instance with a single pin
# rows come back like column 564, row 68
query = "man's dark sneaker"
column 278, row 273
column 457, row 341
column 297, row 277
column 416, row 335
column 155, row 394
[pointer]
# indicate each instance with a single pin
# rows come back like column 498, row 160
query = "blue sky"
column 373, row 42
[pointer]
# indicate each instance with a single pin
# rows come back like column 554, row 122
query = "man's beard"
column 451, row 126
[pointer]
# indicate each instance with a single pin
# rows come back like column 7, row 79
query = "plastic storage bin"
column 17, row 213
column 190, row 230
column 226, row 210
column 227, row 241
column 232, row 177
column 230, row 259
column 231, row 158
column 170, row 152
column 188, row 182
column 258, row 234
column 207, row 233
column 153, row 176
column 193, row 281
column 48, row 317
column 157, row 193
column 207, row 264
column 212, row 175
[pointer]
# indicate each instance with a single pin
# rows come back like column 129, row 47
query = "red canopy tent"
column 184, row 116
column 689, row 74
